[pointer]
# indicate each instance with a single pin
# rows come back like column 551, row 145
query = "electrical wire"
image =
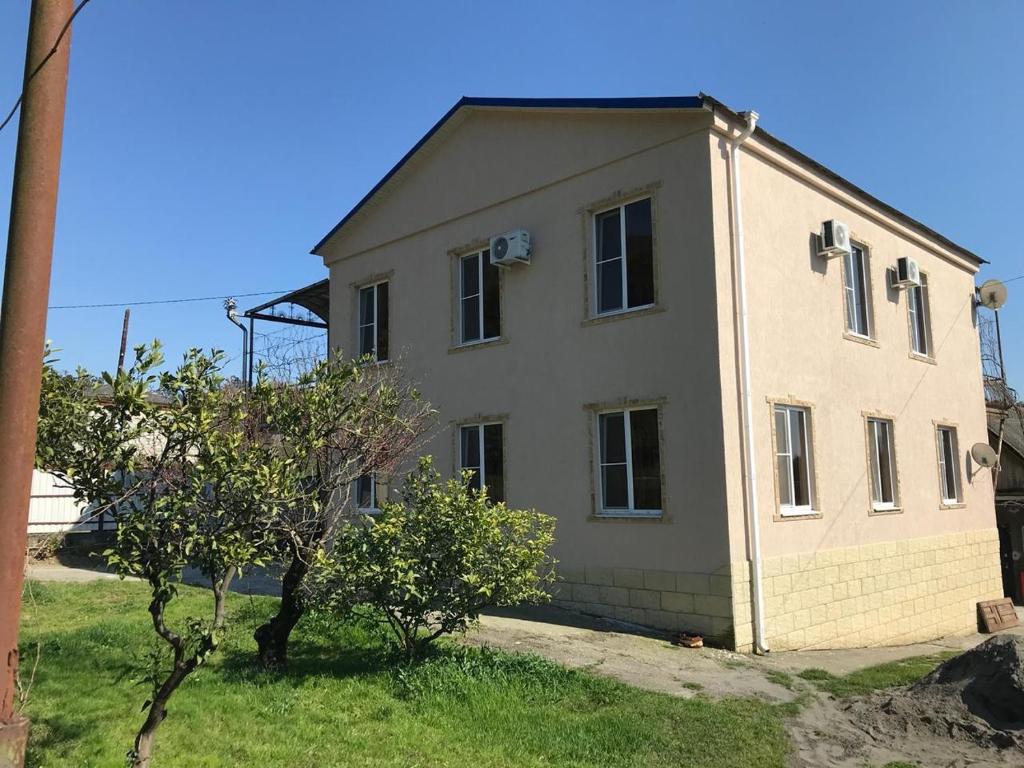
column 41, row 64
column 166, row 301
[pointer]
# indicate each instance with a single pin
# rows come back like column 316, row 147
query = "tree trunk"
column 272, row 637
column 143, row 752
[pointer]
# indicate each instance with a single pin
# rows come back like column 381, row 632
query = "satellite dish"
column 992, row 294
column 984, row 454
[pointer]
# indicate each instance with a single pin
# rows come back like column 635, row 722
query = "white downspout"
column 753, row 511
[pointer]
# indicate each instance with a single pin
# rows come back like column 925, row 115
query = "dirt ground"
column 827, row 732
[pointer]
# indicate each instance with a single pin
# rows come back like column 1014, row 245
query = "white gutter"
column 753, row 512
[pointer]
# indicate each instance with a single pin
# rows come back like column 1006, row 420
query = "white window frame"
column 874, row 463
column 595, row 215
column 360, row 325
column 794, row 510
column 849, row 291
column 374, row 507
column 919, row 313
column 482, row 469
column 954, row 450
column 629, row 511
column 463, row 341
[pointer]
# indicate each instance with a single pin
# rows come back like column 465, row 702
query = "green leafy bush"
column 430, row 563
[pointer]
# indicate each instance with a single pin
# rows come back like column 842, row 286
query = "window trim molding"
column 816, row 510
column 871, row 339
column 588, row 218
column 457, row 340
column 356, row 288
column 944, row 503
column 593, row 412
column 914, row 354
column 455, row 256
column 897, row 507
column 480, row 420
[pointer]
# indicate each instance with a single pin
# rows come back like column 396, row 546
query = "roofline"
column 284, row 299
column 831, row 175
column 655, row 102
column 702, row 101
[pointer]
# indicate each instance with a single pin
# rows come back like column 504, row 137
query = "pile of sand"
column 968, row 712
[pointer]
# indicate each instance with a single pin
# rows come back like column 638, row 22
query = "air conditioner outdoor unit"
column 907, row 274
column 834, row 239
column 511, row 248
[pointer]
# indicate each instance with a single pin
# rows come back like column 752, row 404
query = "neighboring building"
column 603, row 383
column 1006, row 435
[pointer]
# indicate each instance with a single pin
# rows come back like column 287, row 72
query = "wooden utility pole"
column 124, row 339
column 23, row 328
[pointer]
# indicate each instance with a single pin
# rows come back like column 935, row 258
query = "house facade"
column 604, row 382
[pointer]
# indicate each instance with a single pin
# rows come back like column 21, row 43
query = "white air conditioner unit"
column 907, row 274
column 834, row 239
column 511, row 248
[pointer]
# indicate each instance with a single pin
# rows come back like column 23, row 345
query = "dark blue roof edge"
column 653, row 102
column 828, row 173
column 702, row 101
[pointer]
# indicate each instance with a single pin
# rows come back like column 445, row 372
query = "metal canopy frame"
column 314, row 298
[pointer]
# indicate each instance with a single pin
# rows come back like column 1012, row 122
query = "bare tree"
column 338, row 422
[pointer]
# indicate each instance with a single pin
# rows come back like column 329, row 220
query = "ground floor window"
column 882, row 464
column 794, row 462
column 366, row 493
column 630, row 462
column 949, row 465
column 481, row 450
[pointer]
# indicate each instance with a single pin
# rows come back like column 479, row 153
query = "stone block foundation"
column 892, row 593
column 667, row 600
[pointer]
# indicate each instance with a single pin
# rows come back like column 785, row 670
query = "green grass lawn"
column 343, row 703
column 865, row 681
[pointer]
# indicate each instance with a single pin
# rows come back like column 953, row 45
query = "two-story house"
column 738, row 434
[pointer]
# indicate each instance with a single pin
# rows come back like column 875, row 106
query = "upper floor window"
column 630, row 462
column 479, row 298
column 857, row 291
column 882, row 465
column 482, row 450
column 373, row 321
column 920, row 322
column 793, row 456
column 949, row 465
column 624, row 257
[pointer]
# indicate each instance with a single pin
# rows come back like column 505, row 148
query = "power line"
column 165, row 301
column 41, row 64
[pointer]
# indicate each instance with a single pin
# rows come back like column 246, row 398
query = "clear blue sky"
column 209, row 145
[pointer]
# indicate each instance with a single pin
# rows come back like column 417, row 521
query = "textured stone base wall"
column 669, row 600
column 879, row 594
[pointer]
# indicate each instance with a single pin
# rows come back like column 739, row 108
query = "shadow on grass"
column 239, row 665
column 55, row 735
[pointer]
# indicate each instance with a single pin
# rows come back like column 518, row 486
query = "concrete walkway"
column 626, row 653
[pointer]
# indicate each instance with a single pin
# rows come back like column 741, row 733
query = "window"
column 630, row 462
column 793, row 456
column 625, row 257
column 373, row 321
column 949, row 465
column 481, row 449
column 882, row 460
column 920, row 322
column 366, row 493
column 479, row 298
column 856, row 286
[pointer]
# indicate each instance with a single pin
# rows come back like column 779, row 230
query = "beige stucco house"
column 675, row 340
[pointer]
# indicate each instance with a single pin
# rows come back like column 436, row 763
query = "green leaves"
column 432, row 562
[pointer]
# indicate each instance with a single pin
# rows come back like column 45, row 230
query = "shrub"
column 430, row 563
